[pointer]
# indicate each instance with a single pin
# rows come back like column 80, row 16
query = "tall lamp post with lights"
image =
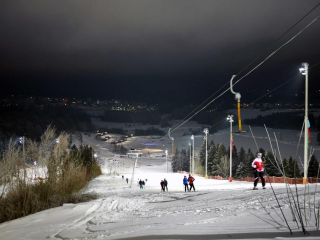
column 230, row 119
column 192, row 137
column 304, row 71
column 206, row 131
column 190, row 157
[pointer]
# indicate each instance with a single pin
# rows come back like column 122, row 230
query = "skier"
column 185, row 182
column 143, row 184
column 165, row 184
column 127, row 180
column 162, row 185
column 140, row 184
column 257, row 164
column 191, row 180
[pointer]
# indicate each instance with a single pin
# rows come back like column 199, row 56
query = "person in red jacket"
column 257, row 164
column 191, row 180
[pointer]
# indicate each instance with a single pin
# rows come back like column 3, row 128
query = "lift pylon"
column 172, row 150
column 237, row 97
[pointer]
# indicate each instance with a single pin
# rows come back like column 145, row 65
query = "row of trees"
column 32, row 121
column 219, row 163
column 44, row 174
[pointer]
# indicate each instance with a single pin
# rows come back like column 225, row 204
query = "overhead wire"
column 279, row 38
column 270, row 55
column 298, row 75
column 248, row 65
column 277, row 50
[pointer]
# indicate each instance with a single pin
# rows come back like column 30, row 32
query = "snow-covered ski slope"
column 217, row 210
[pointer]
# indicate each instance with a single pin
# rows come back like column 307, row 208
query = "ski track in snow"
column 133, row 213
column 216, row 207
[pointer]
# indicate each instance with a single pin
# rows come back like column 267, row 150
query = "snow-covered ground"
column 287, row 140
column 217, row 210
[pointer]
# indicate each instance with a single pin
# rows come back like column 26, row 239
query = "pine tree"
column 293, row 169
column 202, row 153
column 212, row 151
column 223, row 167
column 221, row 151
column 211, row 144
column 179, row 160
column 185, row 160
column 271, row 166
column 285, row 166
column 250, row 157
column 297, row 171
column 290, row 168
column 242, row 155
column 241, row 171
column 175, row 161
column 313, row 167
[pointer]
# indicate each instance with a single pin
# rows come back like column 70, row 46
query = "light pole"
column 206, row 131
column 172, row 147
column 192, row 137
column 22, row 140
column 134, row 166
column 172, row 150
column 167, row 160
column 94, row 158
column 304, row 71
column 230, row 119
column 190, row 157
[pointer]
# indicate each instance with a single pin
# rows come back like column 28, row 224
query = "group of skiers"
column 258, row 171
column 127, row 179
column 142, row 184
column 164, row 185
column 189, row 181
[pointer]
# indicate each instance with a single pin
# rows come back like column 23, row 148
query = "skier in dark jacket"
column 162, row 185
column 191, row 180
column 165, row 185
column 185, row 183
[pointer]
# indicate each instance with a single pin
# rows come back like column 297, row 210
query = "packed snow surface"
column 219, row 209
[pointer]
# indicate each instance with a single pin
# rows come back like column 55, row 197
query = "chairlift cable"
column 254, row 59
column 269, row 56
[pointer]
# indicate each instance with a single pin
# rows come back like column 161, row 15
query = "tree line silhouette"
column 32, row 121
column 219, row 162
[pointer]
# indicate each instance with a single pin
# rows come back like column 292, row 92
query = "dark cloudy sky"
column 152, row 50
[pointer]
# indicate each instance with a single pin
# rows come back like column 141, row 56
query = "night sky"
column 154, row 51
